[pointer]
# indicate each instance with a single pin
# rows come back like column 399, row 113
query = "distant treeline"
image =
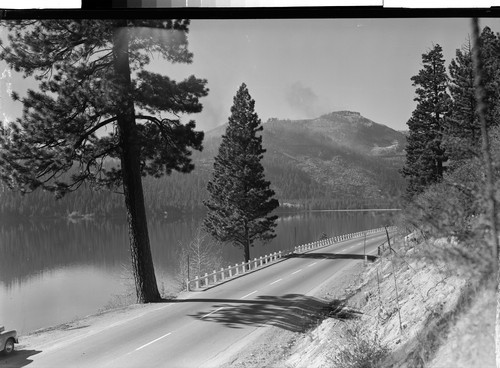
column 175, row 195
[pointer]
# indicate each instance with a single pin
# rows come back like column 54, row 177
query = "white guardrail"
column 240, row 268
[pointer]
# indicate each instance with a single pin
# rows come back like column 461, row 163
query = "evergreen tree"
column 463, row 129
column 96, row 103
column 425, row 154
column 240, row 198
column 490, row 55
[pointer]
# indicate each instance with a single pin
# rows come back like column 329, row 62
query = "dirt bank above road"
column 411, row 315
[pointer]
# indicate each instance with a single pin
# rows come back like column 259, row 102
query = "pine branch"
column 92, row 131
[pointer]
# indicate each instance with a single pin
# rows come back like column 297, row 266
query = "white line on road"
column 253, row 292
column 311, row 264
column 274, row 282
column 293, row 273
column 206, row 315
column 152, row 342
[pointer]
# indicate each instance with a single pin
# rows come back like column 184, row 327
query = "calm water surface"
column 52, row 272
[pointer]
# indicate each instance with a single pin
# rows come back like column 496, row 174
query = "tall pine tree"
column 463, row 131
column 425, row 153
column 463, row 139
column 240, row 198
column 96, row 102
column 490, row 54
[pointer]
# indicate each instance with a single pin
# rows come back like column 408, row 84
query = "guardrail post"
column 187, row 285
column 244, row 268
column 279, row 254
column 206, row 279
column 236, row 268
column 255, row 263
column 230, row 269
column 222, row 273
column 197, row 281
column 260, row 261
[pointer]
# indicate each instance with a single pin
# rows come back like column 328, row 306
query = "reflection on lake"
column 54, row 271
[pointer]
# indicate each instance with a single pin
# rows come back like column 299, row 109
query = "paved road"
column 205, row 328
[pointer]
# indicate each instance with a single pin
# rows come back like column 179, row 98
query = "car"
column 7, row 340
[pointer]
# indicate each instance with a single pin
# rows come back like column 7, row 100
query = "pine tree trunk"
column 142, row 261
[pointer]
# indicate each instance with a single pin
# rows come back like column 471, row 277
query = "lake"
column 53, row 272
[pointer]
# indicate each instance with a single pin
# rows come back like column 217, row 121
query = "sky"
column 302, row 68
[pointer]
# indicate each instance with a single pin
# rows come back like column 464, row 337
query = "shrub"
column 360, row 350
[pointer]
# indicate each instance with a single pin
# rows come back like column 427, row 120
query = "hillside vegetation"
column 340, row 160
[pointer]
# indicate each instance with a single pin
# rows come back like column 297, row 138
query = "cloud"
column 212, row 115
column 303, row 100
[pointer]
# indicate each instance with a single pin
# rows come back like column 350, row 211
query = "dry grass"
column 471, row 342
column 360, row 348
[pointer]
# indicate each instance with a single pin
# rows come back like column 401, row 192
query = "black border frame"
column 103, row 12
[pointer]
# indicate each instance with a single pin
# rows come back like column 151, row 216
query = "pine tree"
column 96, row 102
column 240, row 198
column 463, row 129
column 490, row 54
column 425, row 154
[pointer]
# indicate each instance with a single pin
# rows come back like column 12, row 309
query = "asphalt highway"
column 205, row 328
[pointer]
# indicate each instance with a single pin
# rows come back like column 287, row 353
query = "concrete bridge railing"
column 238, row 269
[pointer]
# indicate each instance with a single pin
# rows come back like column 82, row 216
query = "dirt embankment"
column 398, row 312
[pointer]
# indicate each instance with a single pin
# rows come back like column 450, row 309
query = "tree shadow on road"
column 17, row 359
column 331, row 256
column 293, row 312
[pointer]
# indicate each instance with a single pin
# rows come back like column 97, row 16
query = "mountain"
column 349, row 129
column 338, row 160
column 341, row 159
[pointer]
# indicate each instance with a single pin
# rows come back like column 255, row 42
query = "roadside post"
column 364, row 249
column 295, row 236
column 188, row 278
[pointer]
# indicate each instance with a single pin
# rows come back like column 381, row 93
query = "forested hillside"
column 339, row 160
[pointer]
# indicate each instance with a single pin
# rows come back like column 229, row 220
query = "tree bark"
column 142, row 261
